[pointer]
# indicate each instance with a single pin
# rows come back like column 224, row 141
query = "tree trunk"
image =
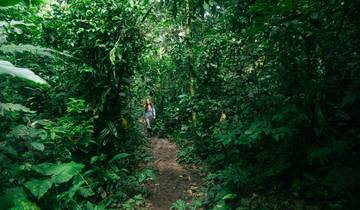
column 187, row 31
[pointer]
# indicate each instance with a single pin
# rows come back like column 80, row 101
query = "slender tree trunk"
column 187, row 30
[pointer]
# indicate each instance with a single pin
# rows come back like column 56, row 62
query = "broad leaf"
column 59, row 173
column 68, row 171
column 8, row 68
column 39, row 187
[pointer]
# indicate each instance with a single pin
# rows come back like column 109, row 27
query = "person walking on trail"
column 149, row 115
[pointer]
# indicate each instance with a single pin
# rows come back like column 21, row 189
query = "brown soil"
column 174, row 181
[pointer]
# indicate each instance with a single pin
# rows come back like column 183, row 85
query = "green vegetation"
column 68, row 139
column 263, row 94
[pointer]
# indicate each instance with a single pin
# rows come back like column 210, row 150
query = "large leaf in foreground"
column 59, row 173
column 38, row 187
column 8, row 68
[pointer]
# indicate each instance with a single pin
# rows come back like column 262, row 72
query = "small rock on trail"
column 173, row 181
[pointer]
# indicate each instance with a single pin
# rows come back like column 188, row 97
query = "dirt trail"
column 173, row 180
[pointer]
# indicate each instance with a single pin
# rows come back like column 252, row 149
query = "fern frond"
column 33, row 49
column 9, row 107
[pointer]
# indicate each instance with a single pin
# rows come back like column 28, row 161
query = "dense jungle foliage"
column 262, row 93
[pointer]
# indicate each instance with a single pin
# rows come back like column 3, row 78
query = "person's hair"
column 146, row 103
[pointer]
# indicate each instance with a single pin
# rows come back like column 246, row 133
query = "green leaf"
column 32, row 49
column 68, row 171
column 11, row 196
column 25, row 132
column 5, row 3
column 69, row 194
column 8, row 149
column 39, row 187
column 111, row 175
column 24, row 205
column 179, row 205
column 38, row 146
column 8, row 68
column 91, row 206
column 94, row 159
column 85, row 192
column 120, row 156
column 144, row 175
column 59, row 173
column 9, row 107
column 22, row 48
column 229, row 196
column 46, row 169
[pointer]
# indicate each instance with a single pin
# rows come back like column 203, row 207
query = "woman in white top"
column 149, row 114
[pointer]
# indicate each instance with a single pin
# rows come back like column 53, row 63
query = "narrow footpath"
column 174, row 181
